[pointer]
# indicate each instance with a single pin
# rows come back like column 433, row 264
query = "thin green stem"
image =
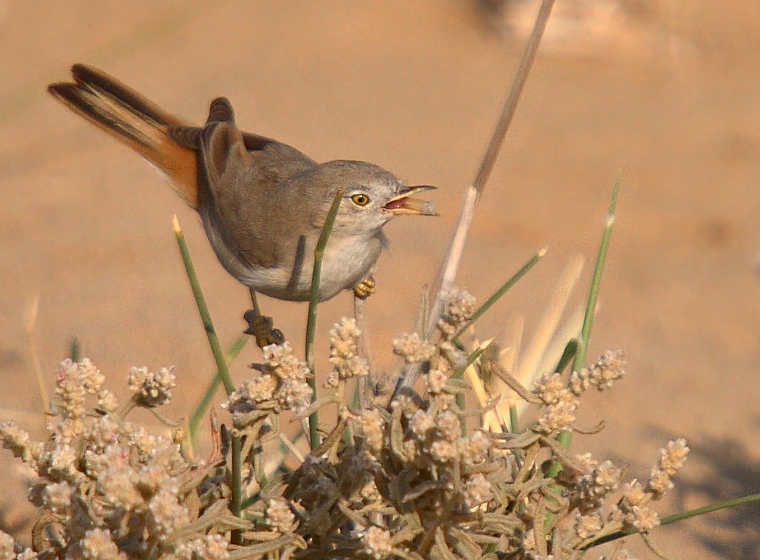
column 236, row 485
column 680, row 516
column 593, row 296
column 459, row 372
column 501, row 291
column 236, row 482
column 200, row 410
column 460, row 400
column 311, row 322
column 262, row 479
column 514, row 419
column 200, row 301
column 565, row 438
column 75, row 349
column 710, row 508
column 567, row 354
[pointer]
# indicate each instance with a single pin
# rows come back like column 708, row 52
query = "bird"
column 262, row 203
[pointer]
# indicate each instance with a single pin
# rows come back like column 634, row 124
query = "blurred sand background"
column 666, row 91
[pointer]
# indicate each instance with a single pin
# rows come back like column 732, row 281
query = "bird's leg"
column 365, row 288
column 261, row 327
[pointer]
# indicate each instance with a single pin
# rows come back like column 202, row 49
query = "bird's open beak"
column 403, row 203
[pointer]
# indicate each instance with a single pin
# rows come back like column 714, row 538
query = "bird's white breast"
column 346, row 262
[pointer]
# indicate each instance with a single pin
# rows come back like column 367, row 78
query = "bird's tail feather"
column 135, row 121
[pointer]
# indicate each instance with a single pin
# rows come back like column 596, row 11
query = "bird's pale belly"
column 346, row 263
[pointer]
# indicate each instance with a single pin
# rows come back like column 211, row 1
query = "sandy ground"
column 667, row 96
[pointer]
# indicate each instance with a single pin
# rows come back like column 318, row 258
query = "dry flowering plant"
column 107, row 489
column 443, row 467
column 402, row 479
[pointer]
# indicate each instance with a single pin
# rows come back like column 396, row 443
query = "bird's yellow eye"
column 360, row 199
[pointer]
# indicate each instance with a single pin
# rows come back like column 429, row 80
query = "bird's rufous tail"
column 161, row 138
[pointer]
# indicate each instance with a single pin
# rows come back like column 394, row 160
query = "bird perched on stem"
column 263, row 203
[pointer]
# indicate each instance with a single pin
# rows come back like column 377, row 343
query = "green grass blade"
column 681, row 516
column 566, row 438
column 459, row 372
column 514, row 419
column 200, row 301
column 571, row 348
column 200, row 410
column 236, row 485
column 75, row 349
column 224, row 372
column 501, row 291
column 580, row 355
column 311, row 322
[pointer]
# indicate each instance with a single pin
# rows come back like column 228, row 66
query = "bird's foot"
column 365, row 288
column 262, row 329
